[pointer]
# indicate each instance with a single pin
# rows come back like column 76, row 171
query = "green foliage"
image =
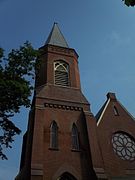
column 129, row 2
column 17, row 73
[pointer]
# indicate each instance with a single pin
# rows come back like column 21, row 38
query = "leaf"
column 16, row 85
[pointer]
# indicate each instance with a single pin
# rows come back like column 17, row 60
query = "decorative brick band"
column 65, row 107
column 36, row 172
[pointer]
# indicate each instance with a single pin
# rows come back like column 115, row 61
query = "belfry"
column 64, row 141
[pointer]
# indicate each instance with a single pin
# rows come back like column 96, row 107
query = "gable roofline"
column 110, row 97
column 126, row 110
column 99, row 115
column 102, row 111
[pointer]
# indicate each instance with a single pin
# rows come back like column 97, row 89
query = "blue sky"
column 102, row 32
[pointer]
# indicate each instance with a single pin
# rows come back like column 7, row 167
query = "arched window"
column 66, row 176
column 61, row 71
column 75, row 138
column 54, row 135
column 115, row 111
column 124, row 145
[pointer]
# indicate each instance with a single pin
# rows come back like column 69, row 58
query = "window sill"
column 54, row 149
column 75, row 150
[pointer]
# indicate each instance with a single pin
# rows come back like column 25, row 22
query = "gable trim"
column 103, row 112
column 126, row 111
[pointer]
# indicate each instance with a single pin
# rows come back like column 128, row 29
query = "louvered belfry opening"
column 61, row 70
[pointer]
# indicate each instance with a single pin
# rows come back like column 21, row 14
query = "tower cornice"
column 58, row 50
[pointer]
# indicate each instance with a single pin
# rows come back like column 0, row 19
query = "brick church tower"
column 61, row 128
column 64, row 141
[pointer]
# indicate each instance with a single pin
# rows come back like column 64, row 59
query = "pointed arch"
column 66, row 176
column 54, row 135
column 75, row 137
column 69, row 168
column 115, row 111
column 61, row 73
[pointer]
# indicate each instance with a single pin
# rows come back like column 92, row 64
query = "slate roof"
column 56, row 37
column 100, row 111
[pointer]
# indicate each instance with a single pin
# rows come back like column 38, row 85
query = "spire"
column 56, row 37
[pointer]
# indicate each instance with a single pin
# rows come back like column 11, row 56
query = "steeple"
column 56, row 37
column 60, row 113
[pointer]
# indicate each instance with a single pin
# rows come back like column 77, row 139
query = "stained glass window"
column 54, row 135
column 75, row 138
column 124, row 146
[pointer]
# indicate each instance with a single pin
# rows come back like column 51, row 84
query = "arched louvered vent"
column 61, row 70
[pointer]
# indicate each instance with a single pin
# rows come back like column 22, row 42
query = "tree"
column 17, row 72
column 129, row 2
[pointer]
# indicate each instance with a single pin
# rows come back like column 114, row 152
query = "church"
column 64, row 140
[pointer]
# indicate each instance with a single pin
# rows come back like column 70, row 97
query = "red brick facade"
column 120, row 122
column 95, row 158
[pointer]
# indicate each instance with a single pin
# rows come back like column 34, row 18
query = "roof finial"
column 111, row 95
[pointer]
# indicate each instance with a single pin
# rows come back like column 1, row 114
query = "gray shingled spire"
column 56, row 37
